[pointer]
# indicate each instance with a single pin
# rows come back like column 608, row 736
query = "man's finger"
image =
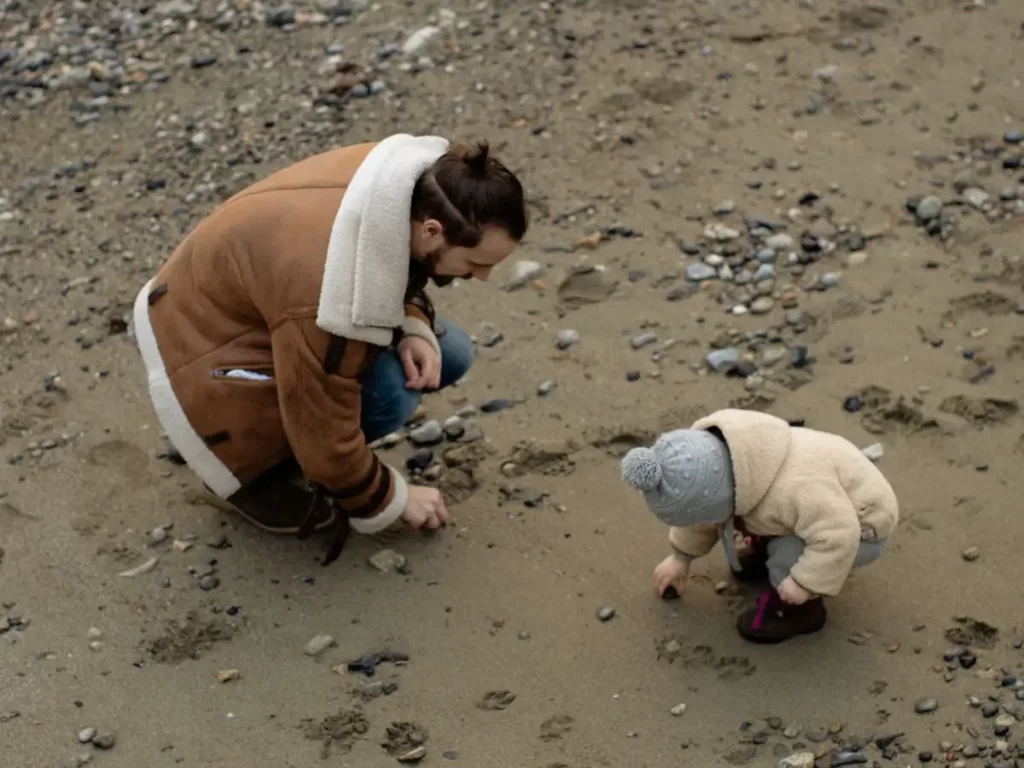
column 412, row 372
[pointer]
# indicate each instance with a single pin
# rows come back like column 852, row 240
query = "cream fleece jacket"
column 796, row 481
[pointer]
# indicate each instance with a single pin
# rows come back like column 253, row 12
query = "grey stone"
column 642, row 340
column 86, row 735
column 762, row 305
column 699, row 272
column 721, row 360
column 764, row 272
column 606, row 613
column 925, row 706
column 547, row 387
column 779, row 242
column 428, row 433
column 929, row 208
column 567, row 338
column 318, row 645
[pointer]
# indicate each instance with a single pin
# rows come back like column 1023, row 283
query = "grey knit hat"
column 686, row 477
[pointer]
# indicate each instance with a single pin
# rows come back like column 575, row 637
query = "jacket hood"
column 758, row 445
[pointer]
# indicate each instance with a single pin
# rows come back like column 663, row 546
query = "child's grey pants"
column 784, row 551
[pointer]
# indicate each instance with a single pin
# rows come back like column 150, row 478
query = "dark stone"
column 204, row 61
column 852, row 404
column 496, row 406
column 420, row 460
column 633, row 376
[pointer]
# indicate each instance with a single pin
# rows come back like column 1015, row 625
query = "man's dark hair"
column 467, row 190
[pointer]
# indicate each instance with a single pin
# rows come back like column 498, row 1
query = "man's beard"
column 422, row 270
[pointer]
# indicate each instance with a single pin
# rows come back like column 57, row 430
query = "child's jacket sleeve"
column 693, row 541
column 830, row 529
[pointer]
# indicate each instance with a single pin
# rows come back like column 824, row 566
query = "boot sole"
column 752, row 637
column 212, row 500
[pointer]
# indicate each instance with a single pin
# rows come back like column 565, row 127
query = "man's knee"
column 457, row 353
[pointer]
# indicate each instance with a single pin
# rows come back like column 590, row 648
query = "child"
column 812, row 505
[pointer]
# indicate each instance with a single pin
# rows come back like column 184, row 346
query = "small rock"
column 779, row 242
column 567, row 338
column 723, row 360
column 699, row 272
column 428, row 433
column 208, row 582
column 318, row 645
column 925, row 706
column 413, row 755
column 546, row 387
column 971, row 554
column 158, row 535
column 103, row 741
column 419, row 40
column 387, row 560
column 678, row 710
column 875, row 451
column 720, row 233
column 524, row 272
column 762, row 305
column 798, row 760
column 976, row 198
column 643, row 340
column 928, row 208
column 605, row 613
column 227, row 675
column 86, row 735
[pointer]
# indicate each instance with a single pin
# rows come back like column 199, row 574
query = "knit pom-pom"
column 641, row 469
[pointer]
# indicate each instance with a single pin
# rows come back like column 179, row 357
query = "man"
column 291, row 328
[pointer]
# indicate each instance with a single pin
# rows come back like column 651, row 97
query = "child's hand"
column 793, row 593
column 671, row 572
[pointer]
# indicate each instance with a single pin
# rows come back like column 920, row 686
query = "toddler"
column 808, row 504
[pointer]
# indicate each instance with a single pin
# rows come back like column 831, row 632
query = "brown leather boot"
column 774, row 621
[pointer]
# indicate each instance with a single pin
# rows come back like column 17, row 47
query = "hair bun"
column 476, row 158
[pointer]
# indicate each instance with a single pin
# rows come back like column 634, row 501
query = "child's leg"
column 773, row 621
column 784, row 551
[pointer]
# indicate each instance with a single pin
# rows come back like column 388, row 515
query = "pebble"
column 798, row 760
column 723, row 360
column 779, row 242
column 875, row 451
column 86, row 735
column 605, row 613
column 976, row 198
column 699, row 272
column 762, row 305
column 318, row 645
column 643, row 340
column 454, row 427
column 971, row 554
column 158, row 535
column 678, row 710
column 525, row 272
column 567, row 338
column 103, row 741
column 208, row 582
column 413, row 755
column 387, row 560
column 546, row 387
column 928, row 208
column 428, row 433
column 925, row 706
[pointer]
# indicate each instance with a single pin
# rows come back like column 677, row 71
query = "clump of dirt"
column 988, row 410
column 552, row 458
column 586, row 285
column 403, row 738
column 556, row 727
column 459, row 481
column 988, row 303
column 972, row 632
column 187, row 638
column 883, row 413
column 618, row 441
column 673, row 648
column 338, row 731
column 495, row 701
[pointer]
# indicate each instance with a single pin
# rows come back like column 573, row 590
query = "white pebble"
column 875, row 451
column 678, row 710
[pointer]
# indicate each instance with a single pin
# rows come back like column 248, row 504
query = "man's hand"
column 793, row 593
column 421, row 362
column 425, row 508
column 671, row 572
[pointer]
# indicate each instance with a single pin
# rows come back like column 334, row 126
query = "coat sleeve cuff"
column 390, row 513
column 413, row 326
